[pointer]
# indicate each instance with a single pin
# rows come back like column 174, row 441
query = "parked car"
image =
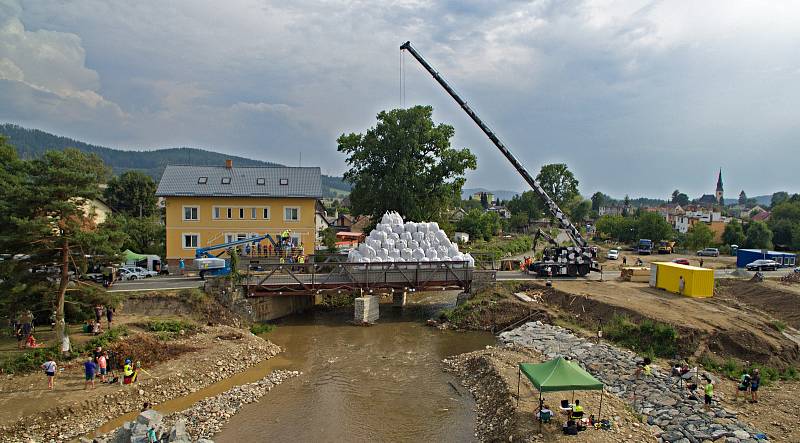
column 763, row 265
column 613, row 254
column 142, row 272
column 130, row 274
column 797, row 269
column 709, row 252
column 681, row 261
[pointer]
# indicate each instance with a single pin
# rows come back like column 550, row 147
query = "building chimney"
column 229, row 164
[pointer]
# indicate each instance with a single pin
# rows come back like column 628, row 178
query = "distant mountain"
column 33, row 142
column 500, row 194
column 762, row 200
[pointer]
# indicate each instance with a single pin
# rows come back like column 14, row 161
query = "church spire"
column 719, row 181
column 719, row 194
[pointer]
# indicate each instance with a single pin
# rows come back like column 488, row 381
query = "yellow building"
column 210, row 205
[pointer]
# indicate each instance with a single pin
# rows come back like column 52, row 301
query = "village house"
column 210, row 205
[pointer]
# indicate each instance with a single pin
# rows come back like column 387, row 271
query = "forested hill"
column 33, row 142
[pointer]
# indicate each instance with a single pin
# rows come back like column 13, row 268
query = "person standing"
column 98, row 312
column 49, row 368
column 181, row 265
column 701, row 262
column 709, row 393
column 624, row 260
column 743, row 386
column 755, row 382
column 109, row 316
column 681, row 285
column 90, row 369
column 102, row 366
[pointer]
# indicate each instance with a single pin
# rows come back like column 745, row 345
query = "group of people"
column 23, row 329
column 100, row 364
column 749, row 382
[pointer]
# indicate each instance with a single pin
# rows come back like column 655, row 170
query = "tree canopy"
column 479, row 224
column 733, row 234
column 559, row 182
column 699, row 236
column 653, row 226
column 132, row 193
column 758, row 236
column 406, row 164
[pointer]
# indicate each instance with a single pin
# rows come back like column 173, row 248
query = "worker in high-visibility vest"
column 128, row 372
column 301, row 259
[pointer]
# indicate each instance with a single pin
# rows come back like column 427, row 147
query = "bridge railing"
column 314, row 277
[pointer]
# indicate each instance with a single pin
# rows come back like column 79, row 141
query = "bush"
column 731, row 369
column 499, row 248
column 649, row 338
column 174, row 326
column 30, row 361
column 261, row 328
column 779, row 325
column 193, row 296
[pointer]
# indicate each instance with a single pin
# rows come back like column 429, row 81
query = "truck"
column 212, row 265
column 666, row 247
column 557, row 260
column 645, row 246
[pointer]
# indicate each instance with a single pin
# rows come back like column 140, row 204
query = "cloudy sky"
column 637, row 97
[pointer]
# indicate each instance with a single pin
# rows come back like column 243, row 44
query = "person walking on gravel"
column 49, row 368
column 755, row 382
column 90, row 369
column 709, row 393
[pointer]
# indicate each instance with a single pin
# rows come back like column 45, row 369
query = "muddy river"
column 378, row 383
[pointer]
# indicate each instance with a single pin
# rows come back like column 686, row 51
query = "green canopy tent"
column 132, row 256
column 558, row 374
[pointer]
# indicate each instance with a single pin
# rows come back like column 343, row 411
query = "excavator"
column 557, row 260
column 212, row 265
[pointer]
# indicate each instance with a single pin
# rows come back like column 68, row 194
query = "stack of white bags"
column 393, row 240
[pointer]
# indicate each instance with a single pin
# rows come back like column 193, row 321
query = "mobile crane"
column 557, row 260
column 213, row 265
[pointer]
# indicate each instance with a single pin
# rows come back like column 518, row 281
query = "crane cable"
column 402, row 79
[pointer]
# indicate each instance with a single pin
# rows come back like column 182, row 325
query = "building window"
column 241, row 213
column 291, row 213
column 266, row 213
column 230, row 212
column 226, row 180
column 216, row 212
column 190, row 241
column 253, row 213
column 284, row 182
column 190, row 213
column 261, row 181
column 202, row 180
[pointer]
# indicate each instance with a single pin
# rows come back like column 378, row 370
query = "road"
column 157, row 284
column 614, row 274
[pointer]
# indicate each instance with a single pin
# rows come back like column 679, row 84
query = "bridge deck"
column 312, row 278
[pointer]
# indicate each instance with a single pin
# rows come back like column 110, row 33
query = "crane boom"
column 563, row 221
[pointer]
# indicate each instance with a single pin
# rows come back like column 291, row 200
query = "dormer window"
column 284, row 182
column 261, row 181
column 226, row 180
column 202, row 180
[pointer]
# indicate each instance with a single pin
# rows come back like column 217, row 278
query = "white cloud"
column 599, row 84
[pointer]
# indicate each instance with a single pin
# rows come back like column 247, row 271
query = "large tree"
column 742, row 198
column 132, row 193
column 558, row 182
column 733, row 234
column 785, row 224
column 599, row 200
column 145, row 235
column 617, row 227
column 778, row 198
column 526, row 203
column 759, row 236
column 653, row 226
column 405, row 164
column 699, row 236
column 679, row 198
column 50, row 216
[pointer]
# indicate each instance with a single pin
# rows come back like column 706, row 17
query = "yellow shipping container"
column 698, row 282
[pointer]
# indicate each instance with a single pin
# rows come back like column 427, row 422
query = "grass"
column 498, row 248
column 261, row 328
column 733, row 370
column 31, row 360
column 779, row 325
column 649, row 338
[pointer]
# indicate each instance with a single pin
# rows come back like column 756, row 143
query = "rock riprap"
column 659, row 397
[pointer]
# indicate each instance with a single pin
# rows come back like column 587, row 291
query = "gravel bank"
column 673, row 417
column 206, row 417
column 491, row 377
column 221, row 351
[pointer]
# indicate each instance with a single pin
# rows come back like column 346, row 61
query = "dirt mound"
column 147, row 350
column 783, row 305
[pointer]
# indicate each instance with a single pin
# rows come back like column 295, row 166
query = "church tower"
column 718, row 194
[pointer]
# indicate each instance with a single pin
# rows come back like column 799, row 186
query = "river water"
column 379, row 383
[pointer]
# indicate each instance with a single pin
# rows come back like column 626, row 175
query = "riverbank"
column 491, row 377
column 28, row 411
column 205, row 418
column 664, row 403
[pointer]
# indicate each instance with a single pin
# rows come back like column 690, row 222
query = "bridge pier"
column 367, row 309
column 399, row 299
column 462, row 298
